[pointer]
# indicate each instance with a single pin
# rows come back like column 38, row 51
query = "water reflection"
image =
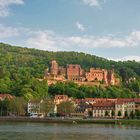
column 46, row 131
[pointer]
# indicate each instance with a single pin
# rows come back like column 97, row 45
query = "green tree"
column 65, row 108
column 106, row 113
column 119, row 113
column 112, row 113
column 5, row 107
column 137, row 113
column 47, row 106
column 22, row 68
column 18, row 106
column 90, row 113
column 132, row 114
column 126, row 114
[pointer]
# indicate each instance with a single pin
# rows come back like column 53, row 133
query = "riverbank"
column 71, row 120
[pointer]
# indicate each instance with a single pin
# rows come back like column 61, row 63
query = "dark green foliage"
column 132, row 115
column 38, row 60
column 106, row 113
column 119, row 113
column 20, row 69
column 137, row 113
column 126, row 114
column 112, row 113
column 4, row 107
column 15, row 106
column 73, row 90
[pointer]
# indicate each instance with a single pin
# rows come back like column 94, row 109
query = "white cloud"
column 136, row 58
column 80, row 26
column 48, row 40
column 53, row 42
column 6, row 32
column 126, row 58
column 43, row 40
column 4, row 6
column 132, row 40
column 95, row 3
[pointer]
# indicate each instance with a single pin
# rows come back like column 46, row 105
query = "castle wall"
column 110, row 77
column 94, row 75
column 73, row 72
column 62, row 71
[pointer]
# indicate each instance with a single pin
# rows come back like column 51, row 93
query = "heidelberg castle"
column 74, row 72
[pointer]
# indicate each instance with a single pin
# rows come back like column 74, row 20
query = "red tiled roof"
column 126, row 100
column 137, row 100
column 3, row 96
column 104, row 104
column 111, row 100
column 114, row 99
column 100, row 99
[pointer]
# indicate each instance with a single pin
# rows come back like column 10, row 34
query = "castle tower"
column 54, row 67
column 111, row 78
column 105, row 76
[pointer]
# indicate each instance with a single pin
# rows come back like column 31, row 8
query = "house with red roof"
column 108, row 108
column 5, row 96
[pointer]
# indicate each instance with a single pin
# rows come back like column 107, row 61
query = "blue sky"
column 106, row 28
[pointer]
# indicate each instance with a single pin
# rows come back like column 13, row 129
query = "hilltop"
column 20, row 67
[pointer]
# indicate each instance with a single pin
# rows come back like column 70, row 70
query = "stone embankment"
column 71, row 120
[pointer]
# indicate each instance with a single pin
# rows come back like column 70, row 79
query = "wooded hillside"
column 20, row 69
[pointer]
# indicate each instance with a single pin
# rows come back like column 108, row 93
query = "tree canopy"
column 22, row 68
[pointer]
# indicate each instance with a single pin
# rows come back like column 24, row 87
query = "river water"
column 52, row 131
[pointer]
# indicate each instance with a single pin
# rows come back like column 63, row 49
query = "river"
column 53, row 131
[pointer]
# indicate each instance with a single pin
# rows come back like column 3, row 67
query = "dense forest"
column 21, row 71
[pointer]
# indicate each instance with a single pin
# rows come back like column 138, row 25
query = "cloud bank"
column 126, row 58
column 43, row 38
column 49, row 40
column 6, row 32
column 4, row 6
column 93, row 3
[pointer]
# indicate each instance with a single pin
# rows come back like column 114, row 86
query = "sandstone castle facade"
column 74, row 72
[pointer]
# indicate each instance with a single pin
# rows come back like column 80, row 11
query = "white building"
column 104, row 109
column 33, row 107
column 124, row 107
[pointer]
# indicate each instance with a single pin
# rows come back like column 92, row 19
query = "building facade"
column 108, row 108
column 125, row 108
column 104, row 109
column 33, row 107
